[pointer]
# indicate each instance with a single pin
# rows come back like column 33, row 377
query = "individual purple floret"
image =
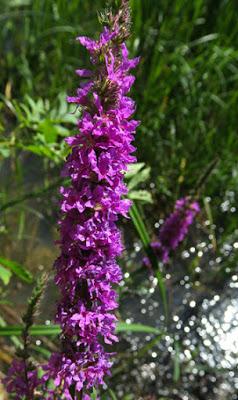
column 90, row 241
column 174, row 229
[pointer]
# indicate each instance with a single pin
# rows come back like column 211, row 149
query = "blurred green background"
column 186, row 88
column 186, row 93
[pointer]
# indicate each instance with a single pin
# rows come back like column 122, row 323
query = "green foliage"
column 15, row 268
column 5, row 275
column 188, row 83
column 186, row 94
column 138, row 174
column 41, row 126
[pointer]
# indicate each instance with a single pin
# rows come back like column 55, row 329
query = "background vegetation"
column 186, row 93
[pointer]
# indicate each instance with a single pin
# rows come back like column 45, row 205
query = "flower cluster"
column 89, row 238
column 21, row 381
column 174, row 229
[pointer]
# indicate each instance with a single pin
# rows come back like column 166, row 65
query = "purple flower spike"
column 174, row 229
column 176, row 226
column 21, row 381
column 90, row 241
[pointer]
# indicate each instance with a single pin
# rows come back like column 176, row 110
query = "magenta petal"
column 84, row 73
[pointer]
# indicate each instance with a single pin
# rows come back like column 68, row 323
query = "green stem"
column 145, row 239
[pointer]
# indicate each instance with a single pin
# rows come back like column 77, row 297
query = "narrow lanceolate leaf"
column 141, row 195
column 134, row 169
column 5, row 275
column 112, row 394
column 139, row 225
column 142, row 176
column 94, row 395
column 124, row 327
column 20, row 271
column 17, row 343
column 50, row 330
column 36, row 330
column 176, row 373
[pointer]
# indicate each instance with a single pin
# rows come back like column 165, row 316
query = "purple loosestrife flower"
column 90, row 241
column 21, row 381
column 174, row 229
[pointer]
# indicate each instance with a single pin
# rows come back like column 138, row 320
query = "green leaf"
column 133, row 169
column 49, row 130
column 94, row 394
column 124, row 327
column 45, row 330
column 5, row 275
column 4, row 150
column 48, row 330
column 140, row 177
column 42, row 350
column 14, row 339
column 35, row 330
column 61, row 130
column 18, row 3
column 139, row 225
column 141, row 195
column 176, row 373
column 10, row 330
column 40, row 150
column 204, row 39
column 17, row 269
column 112, row 394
